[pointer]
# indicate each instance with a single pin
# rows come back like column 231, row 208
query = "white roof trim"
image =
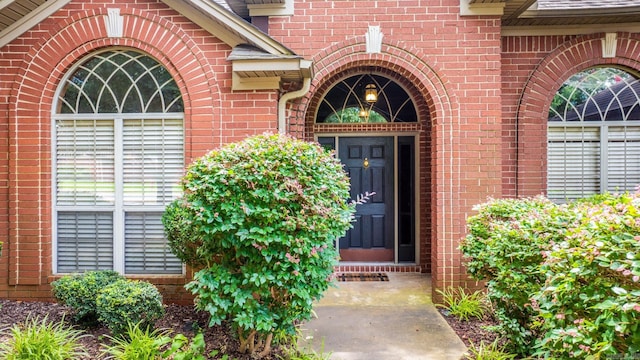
column 468, row 9
column 30, row 20
column 226, row 25
column 272, row 9
column 537, row 30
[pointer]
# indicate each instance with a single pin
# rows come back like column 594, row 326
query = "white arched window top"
column 118, row 145
column 120, row 81
column 347, row 102
column 593, row 139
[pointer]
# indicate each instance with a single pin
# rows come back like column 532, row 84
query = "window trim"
column 118, row 209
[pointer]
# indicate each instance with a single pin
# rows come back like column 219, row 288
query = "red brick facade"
column 481, row 98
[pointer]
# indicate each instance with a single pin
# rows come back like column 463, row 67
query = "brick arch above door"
column 437, row 101
column 568, row 59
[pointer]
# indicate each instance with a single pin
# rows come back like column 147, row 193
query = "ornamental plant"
column 126, row 302
column 590, row 301
column 504, row 248
column 41, row 339
column 262, row 216
column 79, row 291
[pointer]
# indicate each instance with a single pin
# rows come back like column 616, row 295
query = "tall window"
column 118, row 145
column 594, row 135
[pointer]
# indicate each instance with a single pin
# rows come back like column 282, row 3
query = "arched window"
column 366, row 98
column 118, row 159
column 594, row 135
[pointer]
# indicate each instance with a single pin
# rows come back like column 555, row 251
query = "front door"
column 369, row 164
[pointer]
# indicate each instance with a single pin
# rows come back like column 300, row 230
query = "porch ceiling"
column 566, row 12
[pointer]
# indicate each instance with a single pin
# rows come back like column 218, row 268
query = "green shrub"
column 504, row 247
column 182, row 348
column 564, row 280
column 182, row 236
column 129, row 301
column 591, row 300
column 264, row 214
column 138, row 343
column 462, row 304
column 41, row 340
column 79, row 291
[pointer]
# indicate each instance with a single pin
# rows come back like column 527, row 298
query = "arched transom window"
column 118, row 145
column 366, row 98
column 594, row 135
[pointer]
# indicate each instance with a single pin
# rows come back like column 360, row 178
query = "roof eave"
column 229, row 27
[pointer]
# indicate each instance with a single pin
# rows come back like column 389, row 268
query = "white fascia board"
column 272, row 9
column 467, row 9
column 244, row 32
column 30, row 20
column 293, row 64
column 543, row 30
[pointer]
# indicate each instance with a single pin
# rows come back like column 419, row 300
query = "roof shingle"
column 584, row 4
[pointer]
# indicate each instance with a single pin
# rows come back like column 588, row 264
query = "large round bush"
column 79, row 291
column 126, row 302
column 264, row 215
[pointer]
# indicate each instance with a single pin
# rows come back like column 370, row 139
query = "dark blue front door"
column 369, row 164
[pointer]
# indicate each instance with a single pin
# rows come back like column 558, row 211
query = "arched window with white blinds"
column 593, row 139
column 118, row 141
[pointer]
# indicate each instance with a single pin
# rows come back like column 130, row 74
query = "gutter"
column 282, row 103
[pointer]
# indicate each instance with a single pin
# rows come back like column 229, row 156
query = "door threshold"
column 356, row 266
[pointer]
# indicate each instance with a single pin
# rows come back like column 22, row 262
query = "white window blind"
column 623, row 158
column 573, row 162
column 85, row 162
column 146, row 251
column 85, row 241
column 593, row 135
column 153, row 161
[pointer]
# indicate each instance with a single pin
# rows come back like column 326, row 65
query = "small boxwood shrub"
column 79, row 291
column 129, row 301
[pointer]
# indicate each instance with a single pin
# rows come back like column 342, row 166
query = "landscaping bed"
column 177, row 319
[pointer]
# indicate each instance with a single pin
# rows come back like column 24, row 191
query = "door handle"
column 365, row 163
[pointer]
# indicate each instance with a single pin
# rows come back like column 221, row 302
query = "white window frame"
column 119, row 209
column 603, row 127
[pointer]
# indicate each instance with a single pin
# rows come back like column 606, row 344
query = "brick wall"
column 33, row 66
column 482, row 102
column 453, row 67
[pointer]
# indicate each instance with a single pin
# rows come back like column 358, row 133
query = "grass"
column 42, row 340
column 462, row 304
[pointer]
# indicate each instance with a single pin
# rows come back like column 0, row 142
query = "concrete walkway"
column 393, row 320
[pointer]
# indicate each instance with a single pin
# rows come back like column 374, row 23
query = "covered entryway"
column 382, row 162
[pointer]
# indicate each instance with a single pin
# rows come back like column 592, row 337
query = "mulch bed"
column 177, row 319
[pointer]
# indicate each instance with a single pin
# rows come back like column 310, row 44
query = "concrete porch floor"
column 380, row 320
